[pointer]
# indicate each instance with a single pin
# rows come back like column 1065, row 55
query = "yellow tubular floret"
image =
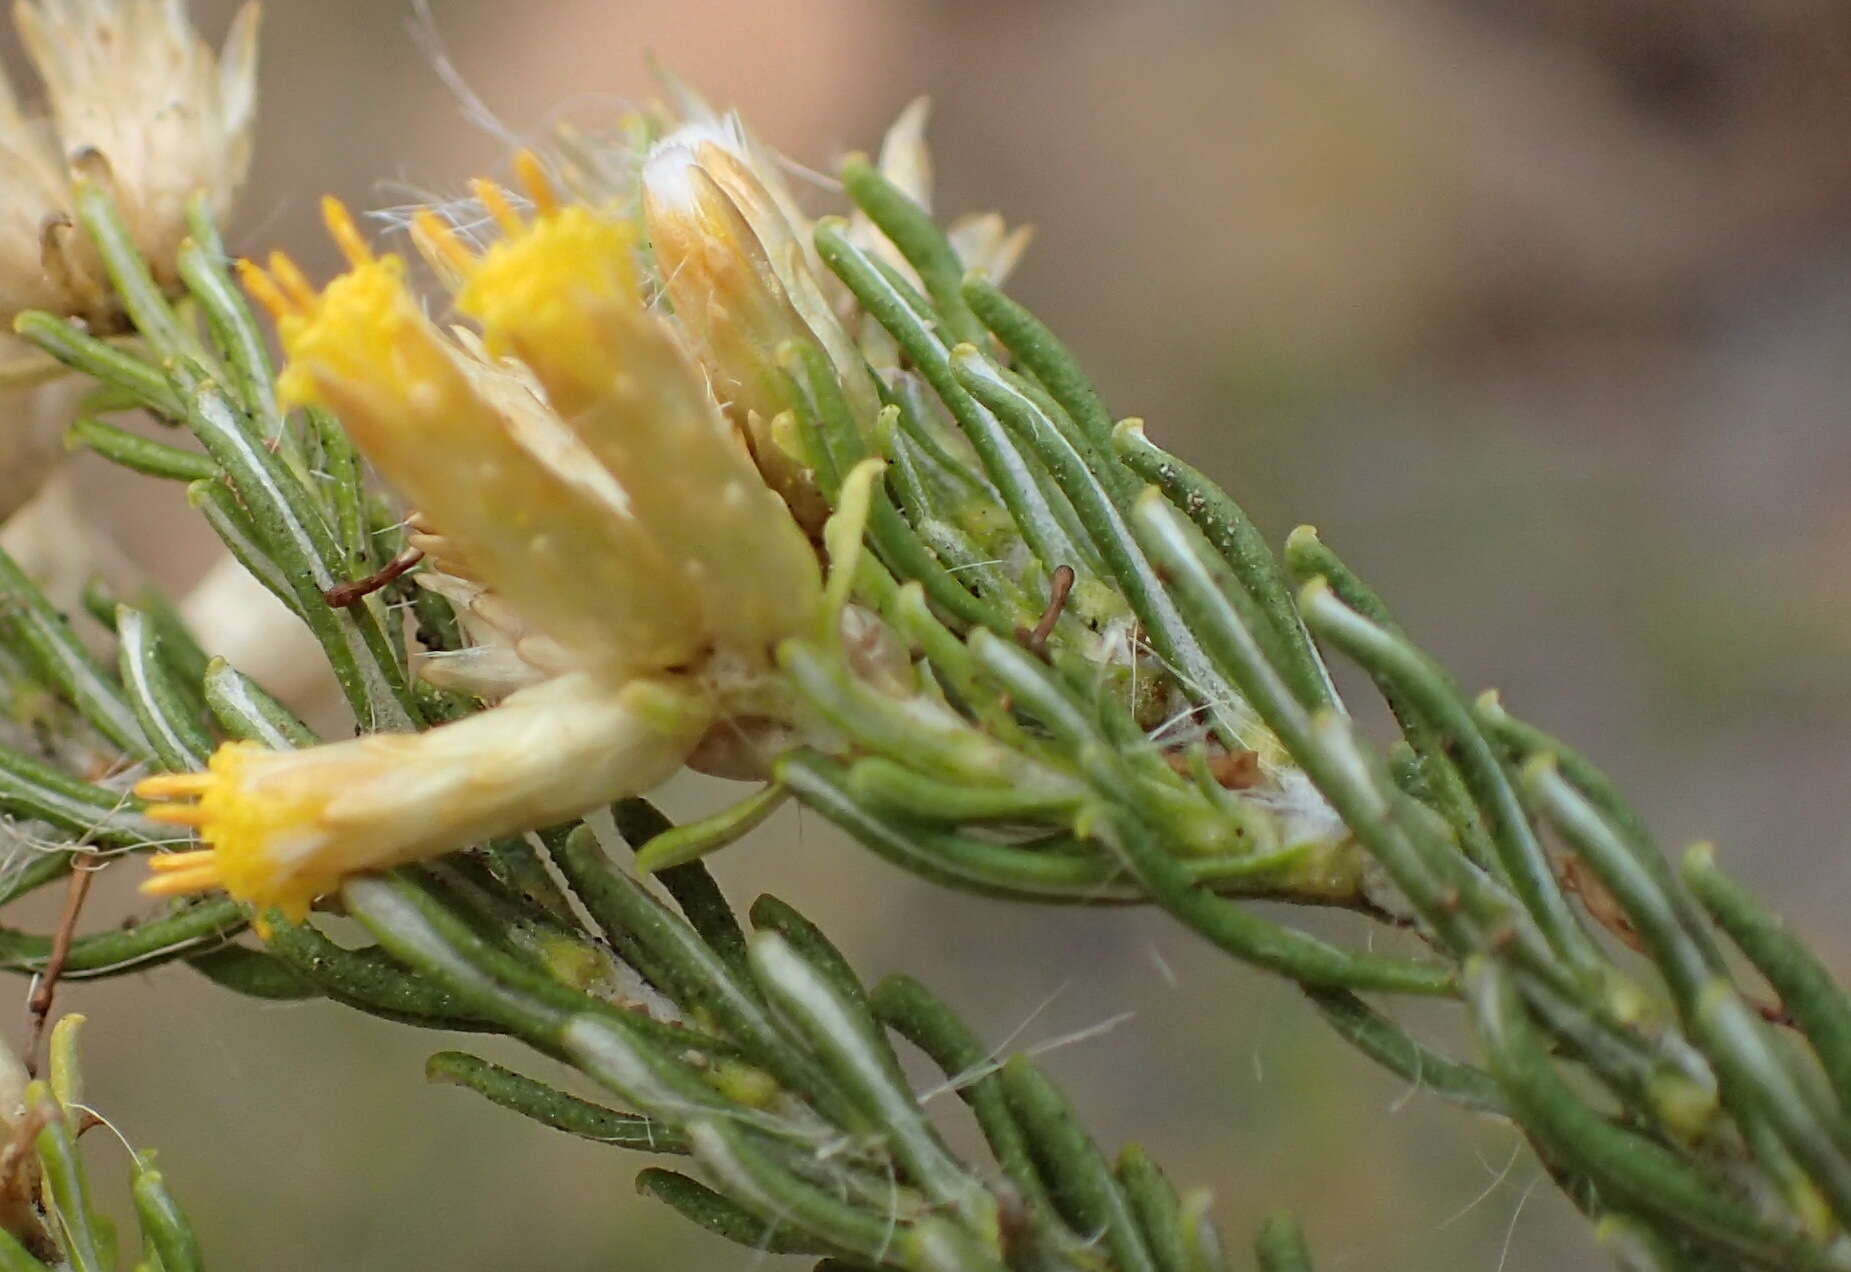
column 295, row 285
column 440, row 245
column 545, row 294
column 562, row 295
column 485, row 460
column 286, row 827
column 179, row 874
column 263, row 290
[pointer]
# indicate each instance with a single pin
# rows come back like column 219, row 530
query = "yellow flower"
column 560, row 293
column 286, row 826
column 135, row 97
column 501, row 473
column 583, row 492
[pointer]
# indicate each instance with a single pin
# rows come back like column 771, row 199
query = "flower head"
column 286, row 826
column 561, row 294
column 135, row 98
column 556, row 293
column 591, row 482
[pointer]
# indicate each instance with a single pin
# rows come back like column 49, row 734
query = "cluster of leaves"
column 1699, row 1126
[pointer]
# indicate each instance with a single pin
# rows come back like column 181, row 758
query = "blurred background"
column 1538, row 309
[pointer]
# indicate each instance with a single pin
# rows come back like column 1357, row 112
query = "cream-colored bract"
column 745, row 293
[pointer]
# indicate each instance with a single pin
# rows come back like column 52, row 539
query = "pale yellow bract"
column 744, row 294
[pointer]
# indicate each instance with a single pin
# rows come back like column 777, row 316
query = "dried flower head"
column 134, row 98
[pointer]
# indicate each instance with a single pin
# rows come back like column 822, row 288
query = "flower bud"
column 743, row 292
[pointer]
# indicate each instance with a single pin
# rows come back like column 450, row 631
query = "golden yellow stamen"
column 174, row 885
column 169, row 862
column 292, row 280
column 437, row 239
column 240, row 825
column 263, row 289
column 495, row 199
column 173, row 785
column 345, row 233
column 536, row 183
